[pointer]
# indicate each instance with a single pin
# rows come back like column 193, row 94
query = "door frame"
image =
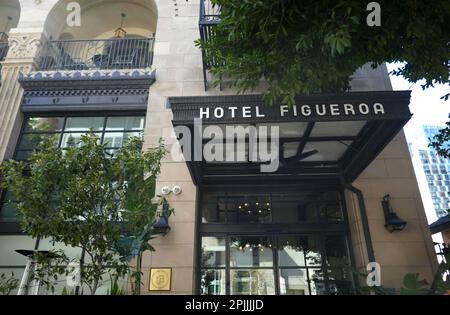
column 273, row 229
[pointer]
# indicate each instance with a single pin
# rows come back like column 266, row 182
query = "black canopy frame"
column 361, row 149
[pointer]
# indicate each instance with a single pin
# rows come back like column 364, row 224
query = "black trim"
column 273, row 230
column 81, row 109
column 379, row 130
column 442, row 224
column 395, row 104
column 11, row 228
column 364, row 220
column 71, row 94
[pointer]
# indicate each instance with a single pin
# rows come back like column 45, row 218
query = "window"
column 287, row 264
column 66, row 131
column 275, row 242
column 236, row 208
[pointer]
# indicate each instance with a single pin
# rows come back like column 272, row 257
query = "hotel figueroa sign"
column 322, row 107
column 305, row 110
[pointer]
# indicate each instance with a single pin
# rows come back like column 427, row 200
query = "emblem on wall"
column 160, row 279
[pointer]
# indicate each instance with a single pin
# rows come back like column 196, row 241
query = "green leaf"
column 412, row 285
column 281, row 41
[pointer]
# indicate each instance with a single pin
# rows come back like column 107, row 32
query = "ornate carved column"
column 24, row 49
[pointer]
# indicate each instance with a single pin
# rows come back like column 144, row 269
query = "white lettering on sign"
column 321, row 111
column 233, row 111
column 348, row 108
column 219, row 112
column 305, row 110
column 247, row 112
column 284, row 109
column 378, row 108
column 363, row 108
column 334, row 108
column 258, row 114
column 204, row 113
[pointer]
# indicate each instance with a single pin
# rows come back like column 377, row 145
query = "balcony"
column 3, row 51
column 104, row 54
column 209, row 17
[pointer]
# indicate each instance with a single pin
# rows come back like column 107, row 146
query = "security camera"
column 165, row 190
column 176, row 190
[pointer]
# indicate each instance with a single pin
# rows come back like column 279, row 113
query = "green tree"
column 440, row 142
column 307, row 46
column 8, row 284
column 84, row 197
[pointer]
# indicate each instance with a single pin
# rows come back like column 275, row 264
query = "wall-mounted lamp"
column 392, row 221
column 176, row 190
column 161, row 225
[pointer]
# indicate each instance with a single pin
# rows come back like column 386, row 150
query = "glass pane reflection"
column 297, row 250
column 125, row 123
column 44, row 124
column 252, row 282
column 317, row 282
column 212, row 282
column 118, row 139
column 331, row 212
column 31, row 141
column 84, row 123
column 251, row 251
column 213, row 252
column 294, row 282
column 336, row 250
column 73, row 139
column 341, row 281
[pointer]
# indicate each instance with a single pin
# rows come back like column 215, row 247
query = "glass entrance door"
column 290, row 264
column 251, row 265
column 306, row 251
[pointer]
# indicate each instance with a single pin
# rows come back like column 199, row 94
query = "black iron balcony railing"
column 3, row 51
column 209, row 12
column 3, row 45
column 209, row 17
column 118, row 53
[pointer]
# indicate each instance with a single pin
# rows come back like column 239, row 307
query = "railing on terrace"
column 209, row 17
column 209, row 12
column 117, row 53
column 3, row 48
column 3, row 45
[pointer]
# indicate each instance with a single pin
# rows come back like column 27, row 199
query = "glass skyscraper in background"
column 437, row 172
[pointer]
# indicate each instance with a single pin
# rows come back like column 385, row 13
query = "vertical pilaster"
column 23, row 51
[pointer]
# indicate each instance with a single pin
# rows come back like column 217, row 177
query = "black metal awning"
column 440, row 225
column 323, row 137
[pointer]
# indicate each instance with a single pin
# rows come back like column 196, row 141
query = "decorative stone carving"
column 24, row 46
column 60, row 75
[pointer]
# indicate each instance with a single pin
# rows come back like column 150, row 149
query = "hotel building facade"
column 132, row 68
